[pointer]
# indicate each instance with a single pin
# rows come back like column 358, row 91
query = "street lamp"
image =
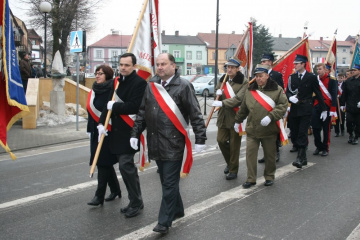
column 45, row 7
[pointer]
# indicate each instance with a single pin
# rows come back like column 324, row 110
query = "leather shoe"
column 161, row 229
column 133, row 211
column 351, row 139
column 112, row 196
column 294, row 149
column 324, row 153
column 268, row 183
column 261, row 160
column 124, row 209
column 226, row 170
column 96, row 201
column 355, row 141
column 231, row 176
column 316, row 152
column 248, row 184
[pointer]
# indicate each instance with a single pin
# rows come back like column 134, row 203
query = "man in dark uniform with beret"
column 350, row 100
column 299, row 91
column 268, row 59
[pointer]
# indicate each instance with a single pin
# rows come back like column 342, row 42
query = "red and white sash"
column 129, row 120
column 324, row 90
column 172, row 111
column 229, row 93
column 340, row 91
column 269, row 105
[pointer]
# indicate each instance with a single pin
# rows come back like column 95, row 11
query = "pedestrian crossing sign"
column 77, row 41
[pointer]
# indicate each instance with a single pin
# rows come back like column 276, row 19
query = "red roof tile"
column 113, row 40
column 225, row 40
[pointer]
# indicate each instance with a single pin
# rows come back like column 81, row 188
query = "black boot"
column 96, row 201
column 112, row 196
column 298, row 163
column 303, row 157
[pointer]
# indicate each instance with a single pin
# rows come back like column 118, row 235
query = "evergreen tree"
column 262, row 41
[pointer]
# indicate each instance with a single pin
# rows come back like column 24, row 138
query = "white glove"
column 358, row 105
column 89, row 134
column 343, row 108
column 333, row 114
column 101, row 130
column 236, row 127
column 199, row 147
column 217, row 103
column 323, row 115
column 265, row 121
column 219, row 92
column 110, row 105
column 134, row 143
column 293, row 99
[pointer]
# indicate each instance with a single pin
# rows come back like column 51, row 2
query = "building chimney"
column 321, row 38
column 233, row 32
column 163, row 32
column 213, row 31
column 280, row 35
column 114, row 32
column 177, row 33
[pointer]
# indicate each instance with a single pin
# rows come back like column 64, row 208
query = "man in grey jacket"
column 165, row 112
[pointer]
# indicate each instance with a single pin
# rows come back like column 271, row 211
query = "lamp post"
column 45, row 7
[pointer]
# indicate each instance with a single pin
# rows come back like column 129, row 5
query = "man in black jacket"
column 301, row 87
column 350, row 100
column 128, row 99
column 165, row 112
column 268, row 59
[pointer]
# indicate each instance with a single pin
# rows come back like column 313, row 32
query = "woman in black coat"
column 102, row 88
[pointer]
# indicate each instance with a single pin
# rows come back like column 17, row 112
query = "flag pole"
column 137, row 26
column 356, row 43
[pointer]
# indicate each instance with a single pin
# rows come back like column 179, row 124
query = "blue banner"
column 356, row 57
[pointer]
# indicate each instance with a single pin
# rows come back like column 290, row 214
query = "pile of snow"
column 50, row 119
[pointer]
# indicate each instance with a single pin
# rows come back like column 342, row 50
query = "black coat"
column 351, row 94
column 130, row 91
column 106, row 158
column 277, row 77
column 305, row 88
column 164, row 141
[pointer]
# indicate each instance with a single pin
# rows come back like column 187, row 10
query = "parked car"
column 191, row 78
column 204, row 85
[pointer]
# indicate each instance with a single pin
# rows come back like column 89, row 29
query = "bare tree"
column 65, row 16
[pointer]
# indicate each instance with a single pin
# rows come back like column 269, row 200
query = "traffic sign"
column 77, row 41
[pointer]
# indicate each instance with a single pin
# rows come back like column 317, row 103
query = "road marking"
column 234, row 193
column 355, row 234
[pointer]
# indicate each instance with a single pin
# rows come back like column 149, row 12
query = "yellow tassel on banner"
column 7, row 149
column 141, row 169
column 184, row 175
column 285, row 142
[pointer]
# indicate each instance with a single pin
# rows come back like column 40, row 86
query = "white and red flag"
column 245, row 50
column 146, row 41
column 331, row 57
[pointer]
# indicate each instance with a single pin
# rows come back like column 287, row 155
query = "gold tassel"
column 141, row 169
column 184, row 175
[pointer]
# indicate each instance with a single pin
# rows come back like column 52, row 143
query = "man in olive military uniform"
column 230, row 98
column 268, row 59
column 300, row 89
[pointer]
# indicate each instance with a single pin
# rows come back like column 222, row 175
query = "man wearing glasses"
column 128, row 99
column 300, row 89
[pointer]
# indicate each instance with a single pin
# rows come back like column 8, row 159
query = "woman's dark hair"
column 109, row 72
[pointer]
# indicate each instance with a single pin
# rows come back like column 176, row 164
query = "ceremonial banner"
column 245, row 50
column 356, row 55
column 12, row 97
column 285, row 65
column 331, row 57
column 146, row 41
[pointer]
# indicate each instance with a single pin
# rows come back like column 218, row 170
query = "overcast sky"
column 286, row 17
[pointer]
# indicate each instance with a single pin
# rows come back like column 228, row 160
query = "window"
column 198, row 55
column 344, row 60
column 164, row 51
column 114, row 53
column 98, row 54
column 188, row 55
column 176, row 54
column 33, row 42
column 344, row 49
column 213, row 55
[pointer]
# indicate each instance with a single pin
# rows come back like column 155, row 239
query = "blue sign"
column 76, row 41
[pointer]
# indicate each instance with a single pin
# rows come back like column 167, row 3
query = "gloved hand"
column 333, row 114
column 358, row 105
column 134, row 143
column 89, row 134
column 236, row 127
column 101, row 131
column 219, row 92
column 293, row 99
column 323, row 115
column 110, row 105
column 199, row 147
column 343, row 108
column 217, row 103
column 265, row 121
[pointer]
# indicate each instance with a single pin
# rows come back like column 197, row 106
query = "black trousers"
column 171, row 202
column 353, row 123
column 299, row 130
column 130, row 176
column 25, row 83
column 340, row 126
column 107, row 176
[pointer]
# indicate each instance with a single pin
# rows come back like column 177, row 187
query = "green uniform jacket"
column 256, row 112
column 227, row 113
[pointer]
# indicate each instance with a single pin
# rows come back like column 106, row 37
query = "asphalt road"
column 43, row 195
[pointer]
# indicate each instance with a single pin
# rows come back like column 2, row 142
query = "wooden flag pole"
column 352, row 58
column 97, row 153
column 137, row 26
